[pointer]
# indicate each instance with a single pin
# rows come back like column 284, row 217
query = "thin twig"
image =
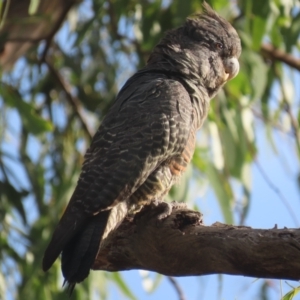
column 74, row 101
column 275, row 54
column 287, row 107
column 276, row 126
column 277, row 191
column 55, row 29
column 112, row 16
column 294, row 124
column 293, row 120
column 177, row 288
column 115, row 32
column 25, row 40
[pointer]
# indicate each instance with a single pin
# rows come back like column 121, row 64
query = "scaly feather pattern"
column 147, row 138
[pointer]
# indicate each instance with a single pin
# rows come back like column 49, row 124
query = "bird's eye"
column 219, row 46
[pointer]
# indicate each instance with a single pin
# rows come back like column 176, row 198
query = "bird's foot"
column 158, row 209
column 167, row 207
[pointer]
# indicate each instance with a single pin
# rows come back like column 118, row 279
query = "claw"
column 167, row 208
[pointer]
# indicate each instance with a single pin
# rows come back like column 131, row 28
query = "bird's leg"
column 178, row 205
column 166, row 210
column 167, row 207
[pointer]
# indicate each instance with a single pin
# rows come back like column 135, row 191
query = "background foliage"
column 50, row 106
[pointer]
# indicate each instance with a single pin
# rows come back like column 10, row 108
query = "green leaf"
column 33, row 7
column 117, row 278
column 239, row 86
column 156, row 282
column 31, row 121
column 237, row 138
column 290, row 32
column 291, row 294
column 14, row 197
column 258, row 31
column 258, row 71
column 222, row 190
column 247, row 183
column 84, row 29
column 149, row 283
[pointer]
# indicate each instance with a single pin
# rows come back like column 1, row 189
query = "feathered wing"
column 144, row 128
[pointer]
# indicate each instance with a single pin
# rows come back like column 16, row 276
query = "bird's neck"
column 199, row 99
column 191, row 82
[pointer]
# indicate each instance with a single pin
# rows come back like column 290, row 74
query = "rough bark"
column 181, row 245
column 20, row 31
column 270, row 52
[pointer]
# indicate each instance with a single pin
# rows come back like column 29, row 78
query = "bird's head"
column 206, row 49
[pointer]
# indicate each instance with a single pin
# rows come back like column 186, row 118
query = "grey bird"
column 146, row 139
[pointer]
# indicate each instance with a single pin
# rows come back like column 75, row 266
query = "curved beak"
column 232, row 67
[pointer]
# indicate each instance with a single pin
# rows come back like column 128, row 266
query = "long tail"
column 79, row 254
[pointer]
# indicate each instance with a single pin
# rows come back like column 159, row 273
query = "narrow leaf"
column 222, row 190
column 291, row 294
column 117, row 278
column 33, row 7
column 31, row 121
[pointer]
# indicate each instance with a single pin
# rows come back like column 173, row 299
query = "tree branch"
column 277, row 191
column 272, row 53
column 74, row 101
column 20, row 29
column 181, row 246
column 55, row 28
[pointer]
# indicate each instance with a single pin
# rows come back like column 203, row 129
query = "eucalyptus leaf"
column 31, row 120
column 33, row 7
column 223, row 192
column 291, row 294
column 117, row 278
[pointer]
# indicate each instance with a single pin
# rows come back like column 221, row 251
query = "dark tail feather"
column 79, row 254
column 62, row 235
